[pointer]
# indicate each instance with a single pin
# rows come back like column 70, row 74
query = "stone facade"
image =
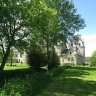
column 71, row 55
column 20, row 57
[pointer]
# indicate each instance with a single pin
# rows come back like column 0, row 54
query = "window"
column 71, row 44
column 68, row 59
column 72, row 59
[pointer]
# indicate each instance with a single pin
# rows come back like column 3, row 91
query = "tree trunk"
column 50, row 66
column 5, row 58
column 11, row 61
column 47, row 52
column 48, row 61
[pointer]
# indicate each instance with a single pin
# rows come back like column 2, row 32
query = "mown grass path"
column 75, row 81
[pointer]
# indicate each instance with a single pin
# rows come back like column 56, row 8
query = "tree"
column 12, row 26
column 92, row 59
column 59, row 27
column 15, row 20
column 69, row 21
column 45, row 27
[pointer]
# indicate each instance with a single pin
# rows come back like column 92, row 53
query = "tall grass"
column 30, row 85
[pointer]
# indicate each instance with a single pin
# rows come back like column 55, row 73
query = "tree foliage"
column 41, row 23
column 36, row 59
column 93, row 59
column 53, row 60
column 55, row 22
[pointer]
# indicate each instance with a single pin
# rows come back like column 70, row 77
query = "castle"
column 70, row 54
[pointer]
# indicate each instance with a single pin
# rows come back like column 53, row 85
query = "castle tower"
column 82, row 52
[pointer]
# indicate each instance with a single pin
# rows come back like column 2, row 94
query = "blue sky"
column 87, row 10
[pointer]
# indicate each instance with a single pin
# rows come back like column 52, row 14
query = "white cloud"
column 90, row 44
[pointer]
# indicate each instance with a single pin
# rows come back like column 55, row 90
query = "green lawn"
column 77, row 81
column 15, row 66
column 74, row 81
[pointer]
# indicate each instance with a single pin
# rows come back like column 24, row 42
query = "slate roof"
column 64, row 51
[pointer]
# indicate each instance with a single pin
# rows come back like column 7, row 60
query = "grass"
column 15, row 66
column 73, row 81
column 24, row 82
column 77, row 81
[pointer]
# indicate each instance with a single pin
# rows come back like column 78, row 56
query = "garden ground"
column 70, row 81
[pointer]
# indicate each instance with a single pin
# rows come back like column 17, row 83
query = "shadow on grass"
column 67, row 72
column 71, row 87
column 16, row 73
column 84, row 68
column 57, row 81
column 66, row 83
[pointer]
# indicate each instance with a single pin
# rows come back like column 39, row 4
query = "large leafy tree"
column 45, row 30
column 70, row 22
column 12, row 25
column 57, row 23
column 21, row 18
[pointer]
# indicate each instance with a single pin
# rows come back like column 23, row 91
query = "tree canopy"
column 41, row 23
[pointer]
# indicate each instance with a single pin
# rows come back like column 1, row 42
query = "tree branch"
column 25, row 35
column 2, row 46
column 1, row 54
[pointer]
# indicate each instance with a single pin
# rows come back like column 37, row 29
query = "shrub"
column 53, row 60
column 36, row 59
column 92, row 60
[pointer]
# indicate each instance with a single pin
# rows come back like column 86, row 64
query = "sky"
column 87, row 10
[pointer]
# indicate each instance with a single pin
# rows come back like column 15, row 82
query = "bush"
column 92, row 60
column 36, row 59
column 53, row 60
